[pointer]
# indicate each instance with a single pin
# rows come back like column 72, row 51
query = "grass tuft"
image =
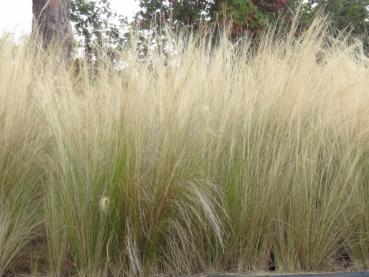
column 217, row 157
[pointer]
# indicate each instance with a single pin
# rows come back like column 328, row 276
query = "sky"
column 16, row 15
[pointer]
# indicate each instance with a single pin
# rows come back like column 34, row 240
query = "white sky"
column 16, row 15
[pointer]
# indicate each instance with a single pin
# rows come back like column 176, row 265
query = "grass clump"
column 220, row 158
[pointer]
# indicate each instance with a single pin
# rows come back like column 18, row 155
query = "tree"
column 251, row 15
column 189, row 14
column 343, row 14
column 51, row 21
column 98, row 27
column 245, row 15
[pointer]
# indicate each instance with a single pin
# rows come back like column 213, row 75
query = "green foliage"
column 97, row 26
column 178, row 13
column 246, row 14
column 344, row 15
column 254, row 15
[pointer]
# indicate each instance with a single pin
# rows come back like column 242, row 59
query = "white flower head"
column 104, row 204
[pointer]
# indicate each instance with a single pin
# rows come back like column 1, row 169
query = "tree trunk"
column 51, row 21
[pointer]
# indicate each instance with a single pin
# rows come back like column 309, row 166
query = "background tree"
column 344, row 15
column 51, row 21
column 253, row 15
column 98, row 27
column 245, row 14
